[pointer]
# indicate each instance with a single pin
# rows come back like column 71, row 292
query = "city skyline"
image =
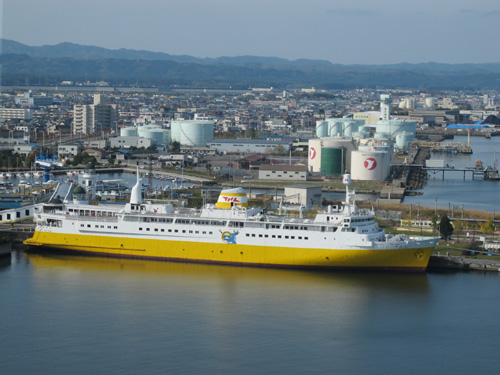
column 358, row 32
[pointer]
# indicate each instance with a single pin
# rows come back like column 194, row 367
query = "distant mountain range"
column 52, row 64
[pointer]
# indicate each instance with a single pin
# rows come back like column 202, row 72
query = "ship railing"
column 90, row 218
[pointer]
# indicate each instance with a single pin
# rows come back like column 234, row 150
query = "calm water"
column 454, row 191
column 80, row 315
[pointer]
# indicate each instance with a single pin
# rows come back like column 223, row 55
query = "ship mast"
column 346, row 180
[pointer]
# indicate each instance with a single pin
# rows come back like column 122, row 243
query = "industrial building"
column 305, row 195
column 242, row 146
column 283, row 172
column 128, row 142
column 28, row 100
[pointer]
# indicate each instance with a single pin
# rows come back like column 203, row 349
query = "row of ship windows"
column 98, row 226
column 18, row 215
column 234, row 224
column 149, row 229
column 177, row 231
column 276, row 236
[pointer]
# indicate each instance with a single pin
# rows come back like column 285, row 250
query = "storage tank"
column 314, row 158
column 333, row 160
column 192, row 133
column 370, row 165
column 394, row 127
column 349, row 127
column 152, row 132
column 404, row 140
column 334, row 128
column 321, row 128
column 129, row 131
column 346, row 142
column 429, row 102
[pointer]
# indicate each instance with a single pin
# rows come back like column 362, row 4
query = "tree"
column 487, row 227
column 445, row 227
column 458, row 225
column 278, row 150
column 434, row 220
column 176, row 146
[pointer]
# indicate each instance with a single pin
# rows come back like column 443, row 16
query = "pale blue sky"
column 341, row 31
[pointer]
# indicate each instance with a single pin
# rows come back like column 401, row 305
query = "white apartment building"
column 16, row 113
column 97, row 117
column 69, row 151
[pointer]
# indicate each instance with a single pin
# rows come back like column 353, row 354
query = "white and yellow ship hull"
column 407, row 259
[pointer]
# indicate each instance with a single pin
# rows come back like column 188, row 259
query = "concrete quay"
column 439, row 261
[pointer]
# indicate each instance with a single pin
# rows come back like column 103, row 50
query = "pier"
column 474, row 171
column 447, row 147
column 460, row 263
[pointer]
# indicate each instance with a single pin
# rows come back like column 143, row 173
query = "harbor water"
column 89, row 315
column 456, row 192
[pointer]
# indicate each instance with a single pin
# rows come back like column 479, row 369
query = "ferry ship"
column 229, row 232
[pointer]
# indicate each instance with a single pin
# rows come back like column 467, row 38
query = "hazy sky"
column 341, row 31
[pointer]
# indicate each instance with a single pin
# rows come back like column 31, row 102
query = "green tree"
column 458, row 225
column 176, row 146
column 279, row 150
column 487, row 227
column 445, row 227
column 434, row 220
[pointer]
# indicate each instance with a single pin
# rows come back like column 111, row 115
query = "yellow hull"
column 223, row 253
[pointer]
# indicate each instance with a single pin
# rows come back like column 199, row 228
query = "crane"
column 47, row 162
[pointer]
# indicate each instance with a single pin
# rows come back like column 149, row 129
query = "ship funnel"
column 346, row 180
column 232, row 197
column 136, row 193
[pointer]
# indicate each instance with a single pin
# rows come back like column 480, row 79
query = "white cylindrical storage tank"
column 387, row 148
column 394, row 127
column 429, row 102
column 129, row 131
column 369, row 165
column 168, row 136
column 334, row 128
column 314, row 158
column 404, row 140
column 152, row 132
column 192, row 133
column 321, row 128
column 351, row 127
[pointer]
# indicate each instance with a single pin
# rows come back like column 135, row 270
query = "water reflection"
column 283, row 278
column 5, row 261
